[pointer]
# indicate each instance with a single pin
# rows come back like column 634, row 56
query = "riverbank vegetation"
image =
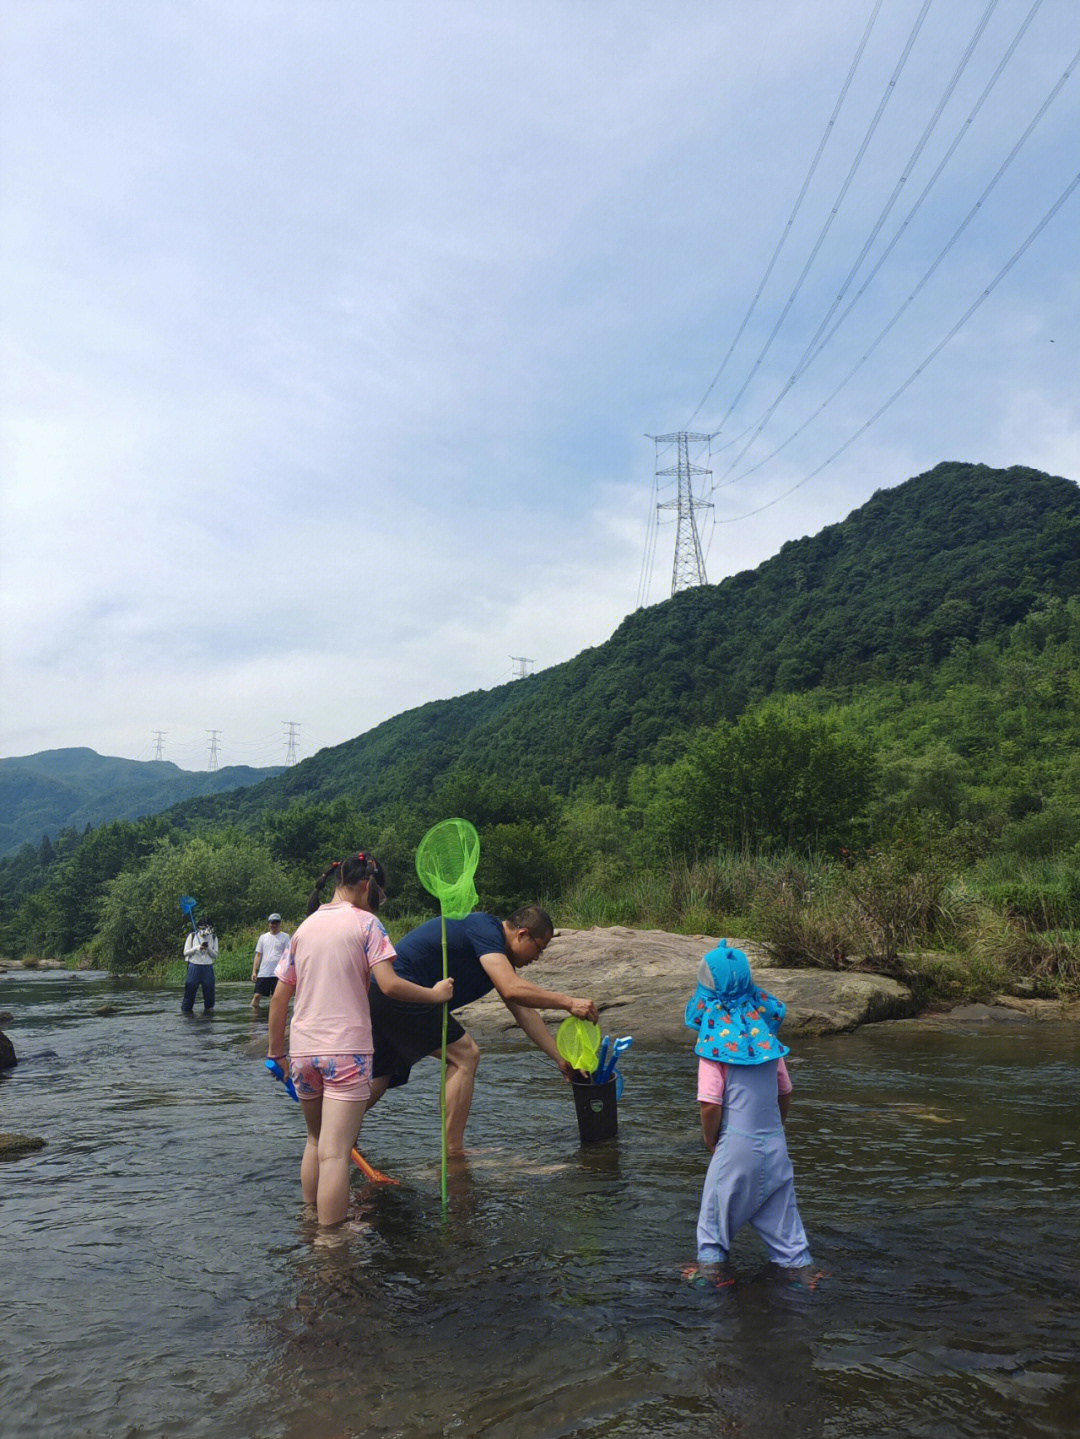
column 928, row 827
column 866, row 751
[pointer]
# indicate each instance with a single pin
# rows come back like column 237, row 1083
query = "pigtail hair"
column 314, row 898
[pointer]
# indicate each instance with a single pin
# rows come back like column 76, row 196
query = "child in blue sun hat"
column 745, row 1093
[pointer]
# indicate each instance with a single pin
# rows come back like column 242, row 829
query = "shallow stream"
column 159, row 1276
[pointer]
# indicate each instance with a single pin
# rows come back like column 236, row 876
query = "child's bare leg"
column 309, row 1165
column 337, row 1135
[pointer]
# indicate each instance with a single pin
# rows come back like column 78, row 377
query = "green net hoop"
column 446, row 862
column 578, row 1041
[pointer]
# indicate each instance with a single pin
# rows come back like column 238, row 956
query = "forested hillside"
column 959, row 553
column 41, row 794
column 890, row 708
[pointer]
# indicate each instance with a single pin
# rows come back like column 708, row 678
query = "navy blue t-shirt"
column 419, row 954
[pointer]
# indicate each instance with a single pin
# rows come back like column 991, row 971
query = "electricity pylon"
column 521, row 666
column 159, row 743
column 214, row 735
column 292, row 726
column 689, row 568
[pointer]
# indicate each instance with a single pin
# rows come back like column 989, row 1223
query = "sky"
column 333, row 331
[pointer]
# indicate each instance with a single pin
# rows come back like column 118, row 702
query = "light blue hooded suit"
column 750, row 1179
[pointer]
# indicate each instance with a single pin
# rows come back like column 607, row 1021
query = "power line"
column 1054, row 208
column 651, row 532
column 808, row 354
column 795, row 210
column 889, row 88
column 937, row 262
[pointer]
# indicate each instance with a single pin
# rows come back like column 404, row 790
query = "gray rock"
column 641, row 980
column 14, row 1146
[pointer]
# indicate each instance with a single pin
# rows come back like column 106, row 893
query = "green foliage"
column 814, row 930
column 674, row 777
column 897, row 896
column 780, row 776
column 233, row 878
column 1019, row 951
column 926, row 570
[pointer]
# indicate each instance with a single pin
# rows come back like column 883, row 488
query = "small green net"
column 578, row 1041
column 446, row 862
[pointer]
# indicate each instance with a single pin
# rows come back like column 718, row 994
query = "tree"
column 777, row 777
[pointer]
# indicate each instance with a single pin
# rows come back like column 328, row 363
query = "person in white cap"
column 271, row 946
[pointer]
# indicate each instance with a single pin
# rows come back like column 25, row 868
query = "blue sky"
column 332, row 330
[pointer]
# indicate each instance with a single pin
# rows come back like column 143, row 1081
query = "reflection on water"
column 167, row 1280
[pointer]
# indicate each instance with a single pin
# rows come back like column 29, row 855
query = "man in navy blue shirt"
column 483, row 953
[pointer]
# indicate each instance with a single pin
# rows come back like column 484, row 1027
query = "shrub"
column 234, row 878
column 1052, row 960
column 899, row 899
column 816, row 930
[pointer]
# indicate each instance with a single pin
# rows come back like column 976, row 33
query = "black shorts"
column 404, row 1033
column 266, row 985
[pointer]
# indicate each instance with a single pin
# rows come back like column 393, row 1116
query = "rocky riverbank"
column 641, row 980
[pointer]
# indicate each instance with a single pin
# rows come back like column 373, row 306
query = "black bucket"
column 597, row 1111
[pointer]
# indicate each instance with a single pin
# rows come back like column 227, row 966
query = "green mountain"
column 41, row 794
column 961, row 552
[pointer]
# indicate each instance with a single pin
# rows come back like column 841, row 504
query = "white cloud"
column 325, row 317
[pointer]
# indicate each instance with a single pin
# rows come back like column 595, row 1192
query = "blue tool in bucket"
column 610, row 1053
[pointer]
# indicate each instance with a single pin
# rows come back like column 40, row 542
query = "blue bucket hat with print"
column 735, row 1020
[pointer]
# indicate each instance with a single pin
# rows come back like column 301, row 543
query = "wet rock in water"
column 105, row 1009
column 14, row 1146
column 8, row 1057
column 642, row 978
column 5, row 1016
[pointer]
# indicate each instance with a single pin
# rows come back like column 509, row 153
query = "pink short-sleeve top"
column 329, row 963
column 712, row 1078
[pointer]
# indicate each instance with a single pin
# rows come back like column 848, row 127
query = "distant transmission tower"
column 159, row 743
column 214, row 735
column 521, row 664
column 292, row 726
column 689, row 567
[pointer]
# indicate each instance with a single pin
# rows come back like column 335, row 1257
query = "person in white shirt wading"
column 271, row 946
column 200, row 951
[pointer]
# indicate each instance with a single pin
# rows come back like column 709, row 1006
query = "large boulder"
column 642, row 978
column 8, row 1057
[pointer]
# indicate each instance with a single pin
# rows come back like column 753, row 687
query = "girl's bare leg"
column 337, row 1135
column 309, row 1165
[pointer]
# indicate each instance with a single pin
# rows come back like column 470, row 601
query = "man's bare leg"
column 462, row 1061
column 378, row 1089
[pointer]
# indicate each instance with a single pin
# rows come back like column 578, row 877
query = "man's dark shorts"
column 266, row 984
column 404, row 1033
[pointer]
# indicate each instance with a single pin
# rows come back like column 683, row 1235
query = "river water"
column 159, row 1276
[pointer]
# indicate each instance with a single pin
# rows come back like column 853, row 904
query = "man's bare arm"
column 514, row 989
column 539, row 1033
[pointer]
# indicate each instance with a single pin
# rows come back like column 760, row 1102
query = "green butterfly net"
column 446, row 862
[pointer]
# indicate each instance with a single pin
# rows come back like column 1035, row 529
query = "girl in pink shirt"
column 332, row 956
